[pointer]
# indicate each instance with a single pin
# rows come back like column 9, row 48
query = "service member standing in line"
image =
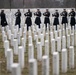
column 72, row 20
column 46, row 20
column 3, row 18
column 38, row 20
column 28, row 21
column 18, row 18
column 56, row 18
column 64, row 17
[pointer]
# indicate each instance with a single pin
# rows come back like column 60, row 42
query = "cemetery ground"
column 25, row 71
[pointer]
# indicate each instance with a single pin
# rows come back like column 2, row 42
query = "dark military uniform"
column 56, row 19
column 64, row 18
column 46, row 20
column 72, row 20
column 28, row 19
column 3, row 19
column 18, row 19
column 38, row 20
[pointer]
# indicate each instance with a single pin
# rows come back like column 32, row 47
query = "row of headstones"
column 30, row 42
column 54, row 36
column 58, row 39
column 45, row 64
column 14, row 29
column 41, row 35
column 56, row 60
column 13, row 38
column 21, row 58
column 16, row 68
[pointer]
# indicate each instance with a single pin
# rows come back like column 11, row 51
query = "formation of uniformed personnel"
column 18, row 18
column 38, row 15
column 28, row 16
column 64, row 15
column 72, row 20
column 56, row 18
column 47, row 15
column 3, row 19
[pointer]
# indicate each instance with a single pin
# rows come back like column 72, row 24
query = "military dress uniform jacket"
column 64, row 17
column 3, row 20
column 47, row 15
column 37, row 20
column 72, row 20
column 28, row 18
column 56, row 19
column 18, row 19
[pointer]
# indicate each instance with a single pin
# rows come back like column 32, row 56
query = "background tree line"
column 37, row 3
